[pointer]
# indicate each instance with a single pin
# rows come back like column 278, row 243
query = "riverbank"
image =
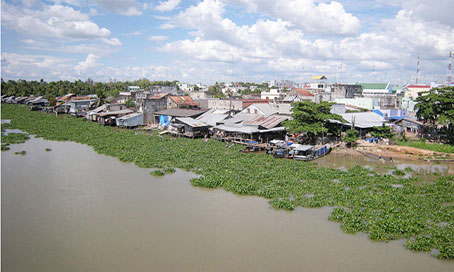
column 396, row 152
column 384, row 206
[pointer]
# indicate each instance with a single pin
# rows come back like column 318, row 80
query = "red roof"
column 248, row 102
column 304, row 92
column 418, row 86
column 159, row 96
column 80, row 98
column 184, row 101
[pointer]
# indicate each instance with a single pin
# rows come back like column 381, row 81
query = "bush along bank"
column 384, row 206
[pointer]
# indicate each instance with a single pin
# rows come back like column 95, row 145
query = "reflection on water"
column 8, row 131
column 418, row 167
column 71, row 209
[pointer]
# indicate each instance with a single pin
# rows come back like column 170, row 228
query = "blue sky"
column 224, row 40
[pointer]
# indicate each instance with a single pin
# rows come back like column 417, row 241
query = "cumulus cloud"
column 90, row 62
column 55, row 21
column 168, row 5
column 308, row 15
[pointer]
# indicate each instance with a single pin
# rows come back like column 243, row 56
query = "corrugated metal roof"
column 183, row 100
column 246, row 129
column 213, row 116
column 248, row 102
column 180, row 112
column 238, row 118
column 362, row 119
column 103, row 114
column 266, row 122
column 304, row 92
column 191, row 122
column 159, row 96
column 134, row 114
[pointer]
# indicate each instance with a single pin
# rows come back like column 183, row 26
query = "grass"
column 444, row 148
column 372, row 204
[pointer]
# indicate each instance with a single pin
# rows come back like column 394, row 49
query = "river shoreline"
column 362, row 197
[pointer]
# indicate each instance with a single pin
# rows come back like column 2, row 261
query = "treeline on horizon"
column 54, row 89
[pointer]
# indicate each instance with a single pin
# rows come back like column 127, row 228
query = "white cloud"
column 168, row 5
column 90, row 62
column 157, row 38
column 35, row 66
column 310, row 16
column 166, row 26
column 55, row 21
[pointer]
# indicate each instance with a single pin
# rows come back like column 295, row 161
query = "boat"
column 308, row 152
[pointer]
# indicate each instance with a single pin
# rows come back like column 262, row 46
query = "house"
column 150, row 105
column 93, row 114
column 109, row 118
column 188, row 127
column 78, row 105
column 410, row 126
column 262, row 109
column 181, row 102
column 115, row 106
column 251, row 128
column 376, row 89
column 213, row 116
column 248, row 102
column 414, row 90
column 221, row 104
column 273, row 95
column 365, row 121
column 346, row 90
column 169, row 114
column 131, row 120
column 123, row 97
column 297, row 95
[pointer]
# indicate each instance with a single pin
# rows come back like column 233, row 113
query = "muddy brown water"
column 71, row 209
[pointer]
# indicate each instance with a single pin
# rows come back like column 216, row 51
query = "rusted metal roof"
column 266, row 122
column 159, row 96
column 180, row 112
column 191, row 122
column 304, row 92
column 184, row 100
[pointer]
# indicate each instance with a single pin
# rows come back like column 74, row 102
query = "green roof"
column 374, row 86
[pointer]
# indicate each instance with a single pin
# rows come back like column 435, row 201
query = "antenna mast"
column 417, row 72
column 448, row 78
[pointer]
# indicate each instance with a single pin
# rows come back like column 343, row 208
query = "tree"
column 311, row 118
column 436, row 106
column 351, row 136
column 383, row 132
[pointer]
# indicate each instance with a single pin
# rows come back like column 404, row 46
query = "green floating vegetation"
column 12, row 138
column 399, row 172
column 157, row 173
column 48, row 149
column 169, row 170
column 20, row 152
column 386, row 207
column 445, row 148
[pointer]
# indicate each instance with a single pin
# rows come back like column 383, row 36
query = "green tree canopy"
column 311, row 118
column 383, row 132
column 436, row 107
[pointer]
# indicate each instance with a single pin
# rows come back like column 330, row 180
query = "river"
column 71, row 209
